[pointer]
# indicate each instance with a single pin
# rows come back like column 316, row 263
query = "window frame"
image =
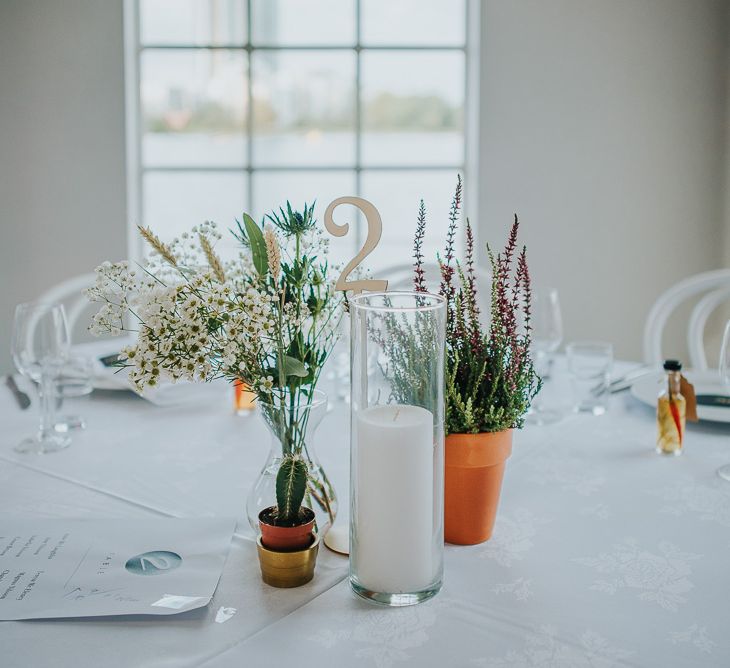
column 136, row 170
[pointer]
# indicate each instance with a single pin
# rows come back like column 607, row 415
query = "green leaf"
column 258, row 245
column 294, row 367
column 291, row 485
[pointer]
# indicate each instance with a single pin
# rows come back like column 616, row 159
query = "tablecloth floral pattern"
column 604, row 554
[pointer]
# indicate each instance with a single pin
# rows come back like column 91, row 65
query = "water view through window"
column 243, row 104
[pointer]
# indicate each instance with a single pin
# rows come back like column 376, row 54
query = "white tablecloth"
column 604, row 554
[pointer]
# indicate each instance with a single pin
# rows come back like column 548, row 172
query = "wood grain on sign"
column 375, row 231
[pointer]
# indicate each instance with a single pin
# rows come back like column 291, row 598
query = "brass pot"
column 287, row 569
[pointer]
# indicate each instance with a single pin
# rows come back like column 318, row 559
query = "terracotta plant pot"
column 473, row 481
column 284, row 538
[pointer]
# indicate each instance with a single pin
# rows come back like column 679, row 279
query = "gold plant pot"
column 287, row 569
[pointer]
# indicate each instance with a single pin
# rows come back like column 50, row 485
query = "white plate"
column 104, row 378
column 647, row 388
column 166, row 394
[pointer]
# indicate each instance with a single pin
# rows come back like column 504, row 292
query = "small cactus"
column 291, row 485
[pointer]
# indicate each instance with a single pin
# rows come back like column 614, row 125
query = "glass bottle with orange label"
column 671, row 412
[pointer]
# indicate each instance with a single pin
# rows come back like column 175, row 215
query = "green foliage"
column 412, row 343
column 293, row 367
column 431, row 113
column 309, row 311
column 291, row 485
column 251, row 235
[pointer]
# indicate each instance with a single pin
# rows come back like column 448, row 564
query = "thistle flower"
column 292, row 223
column 273, row 252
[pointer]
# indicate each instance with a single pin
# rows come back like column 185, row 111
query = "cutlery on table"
column 716, row 400
column 21, row 397
column 625, row 382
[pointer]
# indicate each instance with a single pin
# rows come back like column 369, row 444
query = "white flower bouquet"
column 268, row 319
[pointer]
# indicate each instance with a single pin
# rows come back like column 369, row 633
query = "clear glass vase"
column 292, row 426
column 397, row 446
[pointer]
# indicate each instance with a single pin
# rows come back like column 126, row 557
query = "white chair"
column 716, row 284
column 70, row 294
column 400, row 277
column 697, row 323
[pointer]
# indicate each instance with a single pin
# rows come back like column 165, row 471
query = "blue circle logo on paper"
column 153, row 563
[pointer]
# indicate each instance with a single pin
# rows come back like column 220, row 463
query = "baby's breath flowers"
column 198, row 318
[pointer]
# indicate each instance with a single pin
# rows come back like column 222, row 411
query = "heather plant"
column 490, row 378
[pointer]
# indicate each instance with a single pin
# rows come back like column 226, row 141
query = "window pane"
column 409, row 22
column 413, row 108
column 192, row 22
column 193, row 107
column 304, row 111
column 272, row 189
column 397, row 195
column 175, row 202
column 303, row 22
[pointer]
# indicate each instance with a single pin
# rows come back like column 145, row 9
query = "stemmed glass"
column 73, row 381
column 40, row 348
column 547, row 334
column 724, row 368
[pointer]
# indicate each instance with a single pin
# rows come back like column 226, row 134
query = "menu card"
column 90, row 568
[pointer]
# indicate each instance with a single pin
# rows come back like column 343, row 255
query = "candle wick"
column 397, row 413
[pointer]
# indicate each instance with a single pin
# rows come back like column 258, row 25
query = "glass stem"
column 542, row 362
column 48, row 404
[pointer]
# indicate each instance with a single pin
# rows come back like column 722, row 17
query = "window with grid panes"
column 243, row 104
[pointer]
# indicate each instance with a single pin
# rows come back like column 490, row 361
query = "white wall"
column 62, row 183
column 603, row 128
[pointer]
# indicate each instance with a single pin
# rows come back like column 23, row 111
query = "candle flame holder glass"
column 397, row 446
column 244, row 401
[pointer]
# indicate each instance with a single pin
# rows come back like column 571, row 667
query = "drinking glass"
column 73, row 381
column 547, row 334
column 40, row 348
column 724, row 368
column 589, row 364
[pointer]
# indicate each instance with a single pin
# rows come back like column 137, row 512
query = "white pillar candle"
column 394, row 504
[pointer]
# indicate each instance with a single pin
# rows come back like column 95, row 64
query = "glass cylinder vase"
column 397, row 446
column 292, row 426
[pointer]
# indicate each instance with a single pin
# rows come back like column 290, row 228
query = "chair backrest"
column 697, row 323
column 400, row 277
column 717, row 284
column 70, row 294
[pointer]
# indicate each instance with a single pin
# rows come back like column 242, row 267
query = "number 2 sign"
column 375, row 231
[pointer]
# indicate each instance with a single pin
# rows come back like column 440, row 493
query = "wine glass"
column 40, row 348
column 547, row 334
column 72, row 382
column 724, row 368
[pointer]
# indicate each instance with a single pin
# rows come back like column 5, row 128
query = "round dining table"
column 603, row 553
